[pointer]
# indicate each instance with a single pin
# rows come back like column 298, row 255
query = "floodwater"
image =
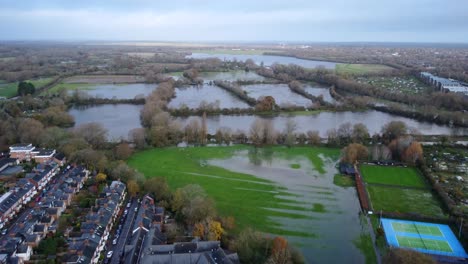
column 281, row 92
column 117, row 119
column 120, row 119
column 330, row 233
column 324, row 121
column 231, row 76
column 316, row 90
column 194, row 96
column 119, row 91
column 267, row 60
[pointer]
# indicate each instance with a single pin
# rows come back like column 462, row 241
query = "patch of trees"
column 193, row 75
column 25, row 88
column 255, row 247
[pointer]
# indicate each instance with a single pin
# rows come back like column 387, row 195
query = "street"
column 118, row 249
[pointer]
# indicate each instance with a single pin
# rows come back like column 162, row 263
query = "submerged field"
column 283, row 191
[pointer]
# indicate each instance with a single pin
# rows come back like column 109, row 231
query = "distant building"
column 444, row 84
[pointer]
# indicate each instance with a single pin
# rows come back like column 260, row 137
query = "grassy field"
column 403, row 200
column 358, row 69
column 10, row 89
column 408, row 177
column 251, row 200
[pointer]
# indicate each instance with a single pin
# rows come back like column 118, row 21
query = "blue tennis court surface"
column 428, row 238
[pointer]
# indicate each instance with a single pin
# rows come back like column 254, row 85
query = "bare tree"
column 94, row 133
column 313, row 137
column 290, row 132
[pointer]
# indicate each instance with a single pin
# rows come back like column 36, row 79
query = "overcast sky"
column 236, row 20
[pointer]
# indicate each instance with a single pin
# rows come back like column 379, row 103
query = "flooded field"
column 195, row 96
column 324, row 121
column 331, row 220
column 267, row 60
column 119, row 91
column 318, row 90
column 280, row 191
column 231, row 76
column 117, row 119
column 120, row 119
column 281, row 92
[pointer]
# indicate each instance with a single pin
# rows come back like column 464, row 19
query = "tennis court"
column 429, row 238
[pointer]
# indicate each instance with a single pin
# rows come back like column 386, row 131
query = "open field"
column 408, row 177
column 276, row 190
column 358, row 69
column 245, row 196
column 402, row 200
column 10, row 89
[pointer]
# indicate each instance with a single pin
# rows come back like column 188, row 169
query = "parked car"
column 109, row 254
column 128, row 205
column 114, row 242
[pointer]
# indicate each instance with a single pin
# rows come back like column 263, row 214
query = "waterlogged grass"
column 359, row 69
column 295, row 166
column 403, row 200
column 364, row 243
column 343, row 181
column 251, row 200
column 318, row 208
column 408, row 177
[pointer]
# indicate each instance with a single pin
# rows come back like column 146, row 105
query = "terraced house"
column 35, row 223
column 87, row 247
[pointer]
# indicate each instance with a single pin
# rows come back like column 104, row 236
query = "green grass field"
column 358, row 69
column 423, row 243
column 10, row 89
column 408, row 177
column 251, row 200
column 404, row 200
column 421, row 229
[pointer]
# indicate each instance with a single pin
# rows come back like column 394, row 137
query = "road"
column 124, row 233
